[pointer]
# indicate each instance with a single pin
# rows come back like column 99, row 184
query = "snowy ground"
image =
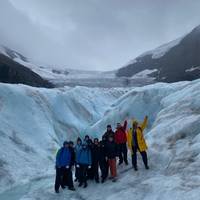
column 34, row 121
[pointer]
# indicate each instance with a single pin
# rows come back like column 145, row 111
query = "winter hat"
column 109, row 126
column 71, row 142
column 135, row 122
column 96, row 140
column 118, row 125
column 65, row 143
column 79, row 139
column 87, row 136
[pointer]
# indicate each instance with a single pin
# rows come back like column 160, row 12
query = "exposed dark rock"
column 174, row 65
column 13, row 72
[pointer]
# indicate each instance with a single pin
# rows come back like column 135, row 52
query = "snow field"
column 173, row 137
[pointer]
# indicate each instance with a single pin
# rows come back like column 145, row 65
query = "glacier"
column 35, row 121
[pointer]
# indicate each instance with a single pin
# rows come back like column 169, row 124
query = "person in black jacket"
column 109, row 132
column 88, row 141
column 111, row 153
column 90, row 172
column 103, row 163
column 71, row 146
column 95, row 159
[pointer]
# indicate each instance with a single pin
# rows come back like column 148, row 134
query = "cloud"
column 93, row 34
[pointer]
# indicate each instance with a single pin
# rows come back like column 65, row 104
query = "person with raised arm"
column 121, row 140
column 136, row 142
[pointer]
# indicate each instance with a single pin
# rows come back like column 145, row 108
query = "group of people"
column 88, row 156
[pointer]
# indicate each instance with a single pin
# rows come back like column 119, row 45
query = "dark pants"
column 59, row 178
column 63, row 178
column 70, row 183
column 104, row 169
column 95, row 167
column 122, row 152
column 90, row 173
column 83, row 173
column 134, row 157
column 77, row 173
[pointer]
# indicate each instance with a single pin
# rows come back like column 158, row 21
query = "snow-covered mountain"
column 12, row 71
column 178, row 60
column 156, row 65
column 61, row 76
column 35, row 121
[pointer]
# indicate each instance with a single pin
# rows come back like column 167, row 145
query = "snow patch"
column 192, row 69
column 145, row 73
column 162, row 50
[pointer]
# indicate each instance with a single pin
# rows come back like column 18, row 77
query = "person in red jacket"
column 121, row 140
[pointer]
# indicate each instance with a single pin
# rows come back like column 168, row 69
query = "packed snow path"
column 42, row 188
column 152, row 184
column 173, row 136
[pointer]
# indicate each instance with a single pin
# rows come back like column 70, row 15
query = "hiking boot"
column 85, row 185
column 114, row 180
column 126, row 162
column 120, row 162
column 57, row 191
column 135, row 168
column 147, row 167
column 72, row 188
column 103, row 180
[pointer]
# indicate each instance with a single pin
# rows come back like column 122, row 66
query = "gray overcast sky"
column 93, row 34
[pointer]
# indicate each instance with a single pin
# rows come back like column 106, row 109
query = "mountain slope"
column 60, row 77
column 13, row 72
column 176, row 61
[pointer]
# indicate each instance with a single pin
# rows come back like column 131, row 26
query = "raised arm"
column 125, row 125
column 144, row 123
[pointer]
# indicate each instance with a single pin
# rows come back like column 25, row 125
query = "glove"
column 89, row 167
column 77, row 166
column 67, row 166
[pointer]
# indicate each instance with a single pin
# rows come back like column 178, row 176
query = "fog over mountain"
column 100, row 35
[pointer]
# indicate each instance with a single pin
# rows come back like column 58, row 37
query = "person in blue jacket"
column 85, row 160
column 63, row 161
column 77, row 155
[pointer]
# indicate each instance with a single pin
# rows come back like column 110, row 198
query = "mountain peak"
column 196, row 29
column 173, row 60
